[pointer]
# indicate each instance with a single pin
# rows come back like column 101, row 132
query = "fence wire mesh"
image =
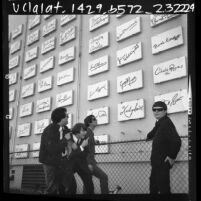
column 127, row 164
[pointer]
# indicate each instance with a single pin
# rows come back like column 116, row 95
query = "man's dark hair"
column 88, row 120
column 58, row 114
column 77, row 127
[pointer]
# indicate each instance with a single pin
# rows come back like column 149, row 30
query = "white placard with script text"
column 99, row 42
column 129, row 81
column 26, row 109
column 67, row 35
column 98, row 65
column 30, row 72
column 176, row 101
column 18, row 31
column 128, row 29
column 45, row 84
column 27, row 90
column 24, row 130
column 16, row 46
column 158, row 19
column 129, row 54
column 64, row 99
column 34, row 21
column 67, row 55
column 14, row 62
column 98, row 90
column 131, row 110
column 97, row 21
column 47, row 64
column 169, row 70
column 66, row 19
column 12, row 94
column 36, row 146
column 49, row 27
column 167, row 40
column 21, row 148
column 41, row 125
column 33, row 37
column 102, row 139
column 101, row 114
column 65, row 76
column 31, row 54
column 43, row 105
column 13, row 78
column 48, row 45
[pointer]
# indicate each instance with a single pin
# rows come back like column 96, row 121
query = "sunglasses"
column 157, row 109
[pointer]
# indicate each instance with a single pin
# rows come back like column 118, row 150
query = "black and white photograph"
column 100, row 103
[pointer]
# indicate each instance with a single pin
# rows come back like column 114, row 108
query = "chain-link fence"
column 127, row 164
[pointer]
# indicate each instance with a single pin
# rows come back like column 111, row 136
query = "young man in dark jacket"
column 79, row 156
column 55, row 149
column 165, row 147
column 91, row 122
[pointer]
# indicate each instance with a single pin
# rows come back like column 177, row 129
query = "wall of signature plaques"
column 115, row 70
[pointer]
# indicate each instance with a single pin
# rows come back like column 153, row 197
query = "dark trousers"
column 81, row 167
column 97, row 172
column 160, row 180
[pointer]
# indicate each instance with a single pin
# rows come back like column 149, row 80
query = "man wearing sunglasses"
column 165, row 147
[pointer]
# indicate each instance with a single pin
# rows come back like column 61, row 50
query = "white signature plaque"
column 98, row 90
column 67, row 55
column 36, row 146
column 101, row 114
column 49, row 27
column 128, row 29
column 98, row 65
column 131, row 110
column 12, row 94
column 99, row 42
column 27, row 90
column 66, row 19
column 41, row 125
column 24, row 130
column 33, row 37
column 65, row 76
column 13, row 78
column 11, row 111
column 14, row 62
column 129, row 54
column 23, row 148
column 67, row 35
column 158, row 19
column 17, row 31
column 26, row 109
column 46, row 16
column 167, row 40
column 102, row 148
column 16, row 46
column 30, row 72
column 169, row 70
column 98, row 21
column 64, row 99
column 34, row 21
column 31, row 54
column 176, row 101
column 43, row 105
column 45, row 84
column 47, row 64
column 48, row 45
column 129, row 81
